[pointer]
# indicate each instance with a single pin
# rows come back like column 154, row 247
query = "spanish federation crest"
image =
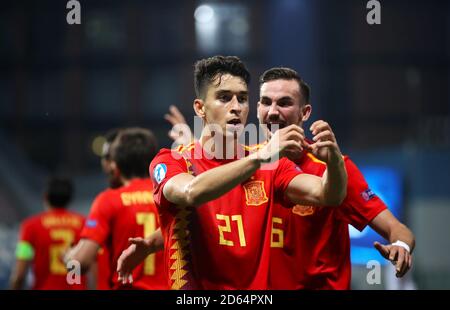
column 303, row 210
column 255, row 194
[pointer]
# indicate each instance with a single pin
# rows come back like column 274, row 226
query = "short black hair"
column 133, row 150
column 109, row 139
column 208, row 69
column 282, row 73
column 59, row 192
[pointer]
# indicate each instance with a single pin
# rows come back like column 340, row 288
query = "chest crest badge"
column 303, row 210
column 255, row 194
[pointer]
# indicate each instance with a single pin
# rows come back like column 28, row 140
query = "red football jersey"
column 224, row 243
column 50, row 234
column 315, row 252
column 103, row 269
column 118, row 214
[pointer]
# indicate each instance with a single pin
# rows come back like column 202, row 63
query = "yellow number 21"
column 227, row 228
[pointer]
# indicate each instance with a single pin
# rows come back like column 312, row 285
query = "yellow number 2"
column 227, row 228
column 148, row 220
column 63, row 238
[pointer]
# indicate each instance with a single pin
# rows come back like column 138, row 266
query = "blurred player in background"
column 103, row 258
column 124, row 212
column 45, row 237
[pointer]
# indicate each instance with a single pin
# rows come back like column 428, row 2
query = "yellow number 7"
column 148, row 220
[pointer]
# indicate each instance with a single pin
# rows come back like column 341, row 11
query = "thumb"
column 384, row 250
column 137, row 240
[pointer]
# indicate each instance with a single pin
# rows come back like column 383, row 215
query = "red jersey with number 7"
column 224, row 243
column 118, row 214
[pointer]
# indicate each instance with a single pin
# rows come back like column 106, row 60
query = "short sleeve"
column 97, row 225
column 163, row 167
column 26, row 231
column 25, row 249
column 285, row 172
column 361, row 204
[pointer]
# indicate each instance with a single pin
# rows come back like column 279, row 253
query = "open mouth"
column 234, row 122
column 273, row 126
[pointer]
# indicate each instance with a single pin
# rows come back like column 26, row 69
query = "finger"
column 410, row 261
column 292, row 128
column 319, row 126
column 324, row 135
column 404, row 268
column 177, row 114
column 119, row 264
column 384, row 250
column 393, row 254
column 130, row 278
column 134, row 240
column 400, row 260
column 320, row 144
column 170, row 119
column 124, row 278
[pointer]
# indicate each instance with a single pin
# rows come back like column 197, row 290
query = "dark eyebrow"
column 285, row 98
column 282, row 98
column 226, row 92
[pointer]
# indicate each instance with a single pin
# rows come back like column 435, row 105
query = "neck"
column 219, row 146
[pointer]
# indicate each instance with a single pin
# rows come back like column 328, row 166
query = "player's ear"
column 306, row 111
column 115, row 171
column 199, row 108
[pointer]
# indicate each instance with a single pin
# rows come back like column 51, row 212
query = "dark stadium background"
column 384, row 89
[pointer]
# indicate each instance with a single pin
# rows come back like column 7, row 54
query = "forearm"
column 85, row 253
column 156, row 242
column 215, row 182
column 335, row 183
column 17, row 282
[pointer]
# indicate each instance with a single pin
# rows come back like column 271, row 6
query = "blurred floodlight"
column 222, row 27
column 204, row 14
column 97, row 145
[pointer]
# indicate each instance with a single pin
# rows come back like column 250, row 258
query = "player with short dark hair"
column 124, row 212
column 215, row 210
column 44, row 238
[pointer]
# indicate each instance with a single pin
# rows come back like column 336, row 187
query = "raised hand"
column 285, row 142
column 325, row 146
column 399, row 257
column 180, row 131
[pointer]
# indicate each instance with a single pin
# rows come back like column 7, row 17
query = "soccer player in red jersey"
column 312, row 246
column 103, row 256
column 44, row 238
column 128, row 211
column 215, row 209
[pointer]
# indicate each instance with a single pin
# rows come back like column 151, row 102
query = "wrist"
column 256, row 158
column 403, row 245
